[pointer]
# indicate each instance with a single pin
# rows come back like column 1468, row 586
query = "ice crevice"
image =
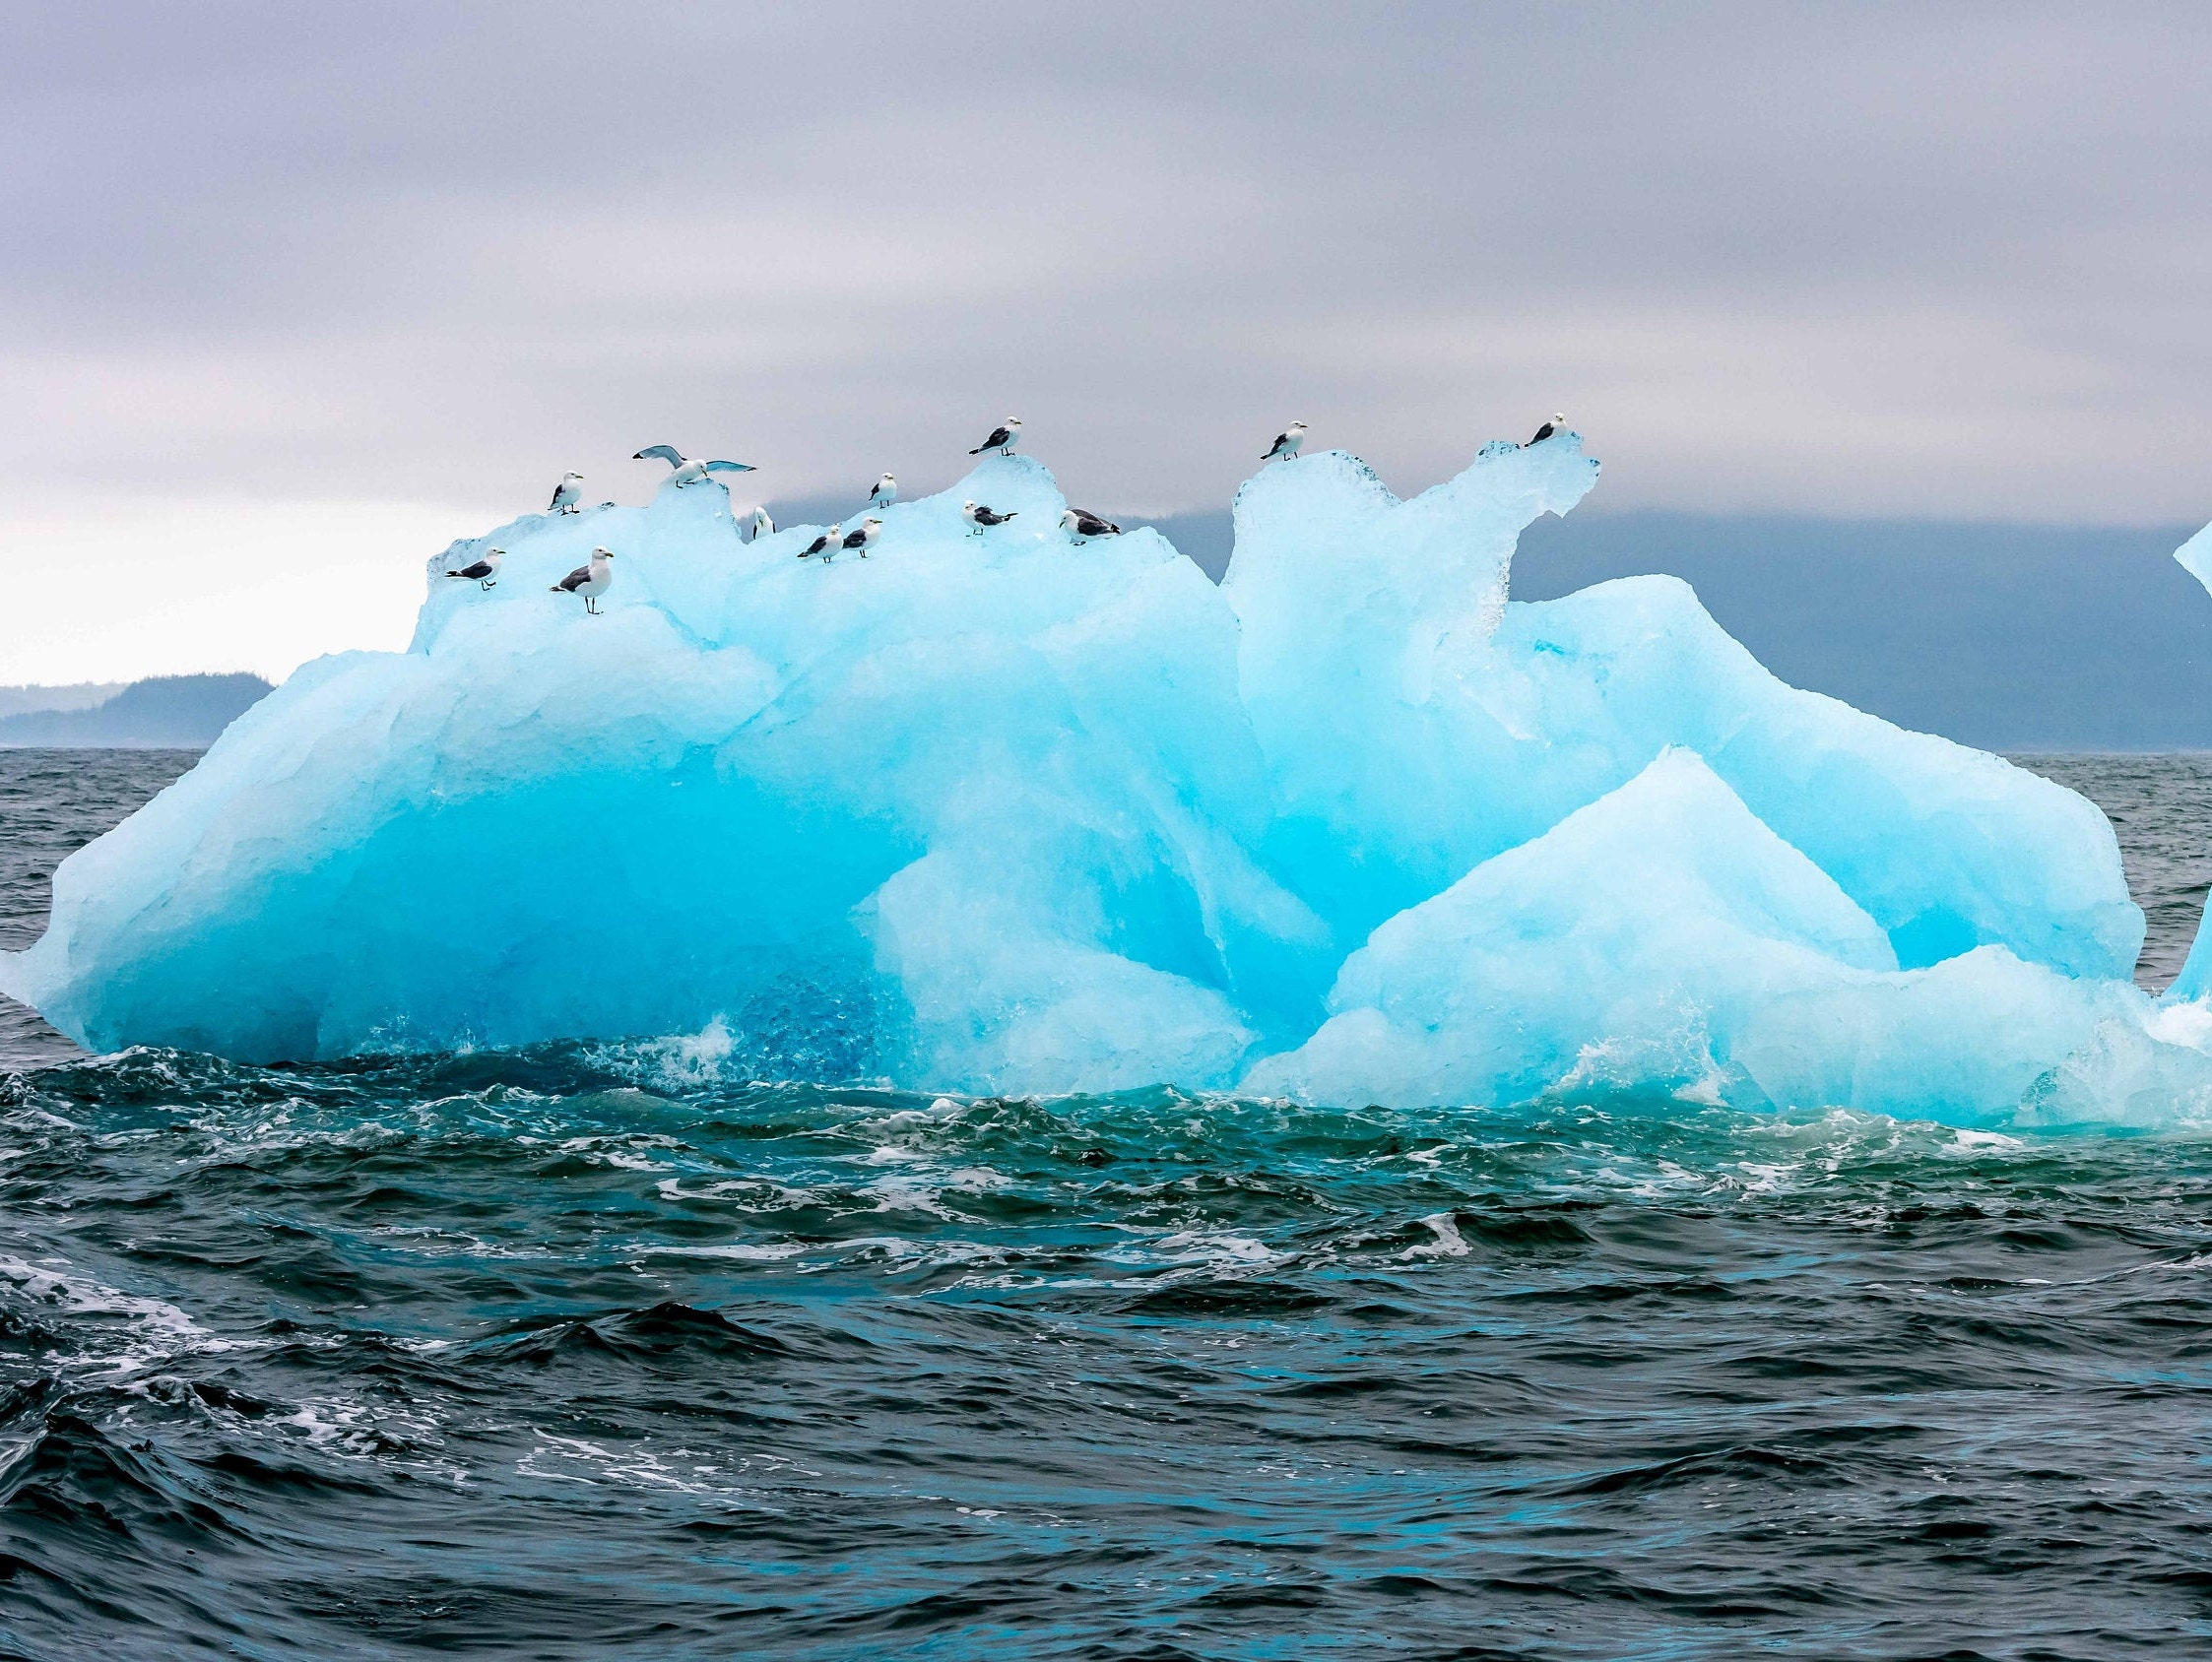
column 1009, row 814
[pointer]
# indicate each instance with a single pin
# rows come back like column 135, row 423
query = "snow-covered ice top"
column 1006, row 812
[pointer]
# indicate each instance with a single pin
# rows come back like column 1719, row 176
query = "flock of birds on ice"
column 596, row 575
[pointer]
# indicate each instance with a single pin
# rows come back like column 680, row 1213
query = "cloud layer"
column 1876, row 260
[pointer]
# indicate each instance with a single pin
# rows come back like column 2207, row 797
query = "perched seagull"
column 1557, row 425
column 590, row 581
column 982, row 518
column 822, row 543
column 485, row 571
column 1001, row 439
column 686, row 472
column 567, row 494
column 860, row 541
column 884, row 493
column 1082, row 524
column 757, row 525
column 1286, row 442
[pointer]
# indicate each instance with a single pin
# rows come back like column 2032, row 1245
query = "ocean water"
column 596, row 1351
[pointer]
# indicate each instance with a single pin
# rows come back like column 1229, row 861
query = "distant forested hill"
column 179, row 712
column 80, row 695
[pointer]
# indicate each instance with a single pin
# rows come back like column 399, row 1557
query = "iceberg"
column 995, row 810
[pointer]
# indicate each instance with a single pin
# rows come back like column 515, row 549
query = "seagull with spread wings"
column 684, row 470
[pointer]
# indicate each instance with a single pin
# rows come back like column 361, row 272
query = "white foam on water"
column 146, row 1331
column 1448, row 1243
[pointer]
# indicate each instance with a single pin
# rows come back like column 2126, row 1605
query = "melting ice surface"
column 1003, row 813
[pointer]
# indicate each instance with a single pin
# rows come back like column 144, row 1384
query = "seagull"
column 982, row 518
column 485, row 571
column 1082, row 524
column 757, row 525
column 821, row 545
column 567, row 494
column 1003, row 439
column 1557, row 425
column 686, row 472
column 1286, row 442
column 860, row 541
column 590, row 581
column 884, row 493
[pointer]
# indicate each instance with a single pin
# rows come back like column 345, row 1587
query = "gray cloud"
column 1868, row 259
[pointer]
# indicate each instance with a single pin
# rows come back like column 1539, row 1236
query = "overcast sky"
column 290, row 295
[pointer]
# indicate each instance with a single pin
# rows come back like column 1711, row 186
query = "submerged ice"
column 992, row 809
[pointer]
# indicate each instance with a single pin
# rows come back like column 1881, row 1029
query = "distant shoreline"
column 160, row 713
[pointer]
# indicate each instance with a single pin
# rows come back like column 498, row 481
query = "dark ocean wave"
column 552, row 1354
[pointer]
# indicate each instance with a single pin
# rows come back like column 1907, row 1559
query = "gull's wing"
column 728, row 467
column 666, row 451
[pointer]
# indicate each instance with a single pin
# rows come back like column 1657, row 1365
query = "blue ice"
column 1004, row 812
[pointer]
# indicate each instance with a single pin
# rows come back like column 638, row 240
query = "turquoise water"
column 597, row 1351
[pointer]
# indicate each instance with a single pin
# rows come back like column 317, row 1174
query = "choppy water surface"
column 593, row 1352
